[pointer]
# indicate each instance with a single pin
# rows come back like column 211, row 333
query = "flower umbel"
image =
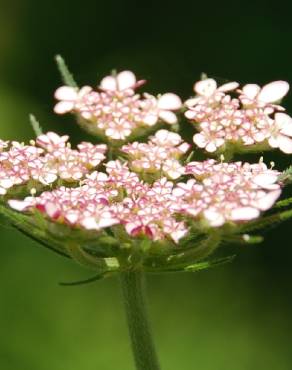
column 114, row 110
column 245, row 119
column 147, row 202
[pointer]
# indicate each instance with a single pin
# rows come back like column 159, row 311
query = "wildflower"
column 115, row 110
column 228, row 192
column 159, row 155
column 160, row 108
column 50, row 158
column 142, row 209
column 69, row 97
column 254, row 95
column 242, row 121
column 122, row 81
column 281, row 133
column 207, row 91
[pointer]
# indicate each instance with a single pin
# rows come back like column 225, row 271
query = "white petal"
column 273, row 142
column 192, row 101
column 287, row 129
column 66, row 93
column 265, row 179
column 189, row 114
column 107, row 221
column 89, row 223
column 284, row 122
column 268, row 200
column 285, row 144
column 273, row 91
column 6, row 183
column 19, row 205
column 63, row 107
column 178, row 234
column 244, row 213
column 178, row 192
column 211, row 147
column 162, row 135
column 200, row 140
column 2, row 191
column 84, row 91
column 48, row 178
column 206, row 87
column 168, row 116
column 72, row 217
column 126, row 80
column 228, row 87
column 251, row 90
column 214, row 218
column 108, row 83
column 150, row 119
column 169, row 101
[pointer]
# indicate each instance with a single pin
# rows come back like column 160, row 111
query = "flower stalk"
column 133, row 288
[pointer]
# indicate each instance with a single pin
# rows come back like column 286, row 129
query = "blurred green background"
column 234, row 317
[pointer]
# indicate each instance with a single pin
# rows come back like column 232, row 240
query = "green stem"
column 133, row 286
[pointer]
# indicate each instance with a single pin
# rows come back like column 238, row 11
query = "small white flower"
column 281, row 133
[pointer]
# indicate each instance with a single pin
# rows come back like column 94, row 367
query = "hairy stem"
column 133, row 287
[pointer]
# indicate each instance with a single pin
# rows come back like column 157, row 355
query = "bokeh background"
column 234, row 317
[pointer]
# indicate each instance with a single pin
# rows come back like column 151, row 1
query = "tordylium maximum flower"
column 142, row 200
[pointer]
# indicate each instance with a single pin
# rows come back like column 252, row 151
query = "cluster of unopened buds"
column 148, row 202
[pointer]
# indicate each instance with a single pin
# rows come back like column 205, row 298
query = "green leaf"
column 286, row 176
column 283, row 203
column 66, row 75
column 35, row 125
column 25, row 225
column 189, row 157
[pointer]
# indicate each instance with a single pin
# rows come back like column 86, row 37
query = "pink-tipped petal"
column 52, row 210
